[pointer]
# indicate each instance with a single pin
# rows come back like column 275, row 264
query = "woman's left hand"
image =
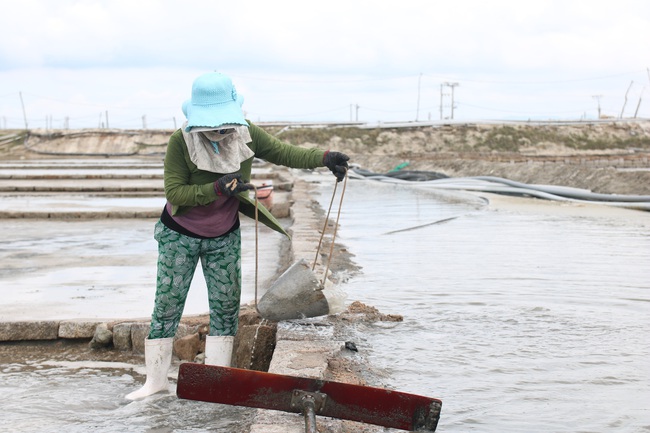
column 337, row 162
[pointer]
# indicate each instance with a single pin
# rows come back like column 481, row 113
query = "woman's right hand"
column 231, row 184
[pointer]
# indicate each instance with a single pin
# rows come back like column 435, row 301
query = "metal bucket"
column 296, row 294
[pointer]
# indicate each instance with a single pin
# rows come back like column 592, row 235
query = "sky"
column 130, row 64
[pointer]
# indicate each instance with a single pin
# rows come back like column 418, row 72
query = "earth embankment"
column 611, row 157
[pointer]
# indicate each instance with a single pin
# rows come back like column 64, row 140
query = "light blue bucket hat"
column 214, row 102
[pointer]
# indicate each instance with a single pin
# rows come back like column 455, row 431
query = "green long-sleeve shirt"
column 187, row 186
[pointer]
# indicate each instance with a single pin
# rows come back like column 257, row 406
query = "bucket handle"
column 320, row 242
column 338, row 215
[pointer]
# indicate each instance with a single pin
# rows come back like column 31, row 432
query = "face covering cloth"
column 218, row 152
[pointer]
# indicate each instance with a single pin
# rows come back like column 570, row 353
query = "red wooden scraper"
column 238, row 387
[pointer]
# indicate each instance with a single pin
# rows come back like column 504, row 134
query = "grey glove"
column 337, row 162
column 231, row 184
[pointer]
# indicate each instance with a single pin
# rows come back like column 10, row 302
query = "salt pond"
column 520, row 318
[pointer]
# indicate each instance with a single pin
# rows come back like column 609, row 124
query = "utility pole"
column 417, row 113
column 23, row 105
column 441, row 101
column 625, row 102
column 636, row 112
column 597, row 98
column 354, row 112
column 452, row 85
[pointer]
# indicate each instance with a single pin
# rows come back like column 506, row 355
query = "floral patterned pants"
column 178, row 256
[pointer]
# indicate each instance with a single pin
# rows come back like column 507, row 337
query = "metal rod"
column 309, row 412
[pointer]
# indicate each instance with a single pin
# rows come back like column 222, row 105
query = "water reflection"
column 518, row 321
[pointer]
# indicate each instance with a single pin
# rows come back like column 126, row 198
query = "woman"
column 207, row 169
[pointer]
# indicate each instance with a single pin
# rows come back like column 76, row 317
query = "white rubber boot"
column 158, row 360
column 218, row 350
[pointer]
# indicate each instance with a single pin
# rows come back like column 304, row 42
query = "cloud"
column 337, row 36
column 291, row 57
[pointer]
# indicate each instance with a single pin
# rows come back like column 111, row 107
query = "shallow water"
column 82, row 397
column 80, row 203
column 518, row 321
column 100, row 269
